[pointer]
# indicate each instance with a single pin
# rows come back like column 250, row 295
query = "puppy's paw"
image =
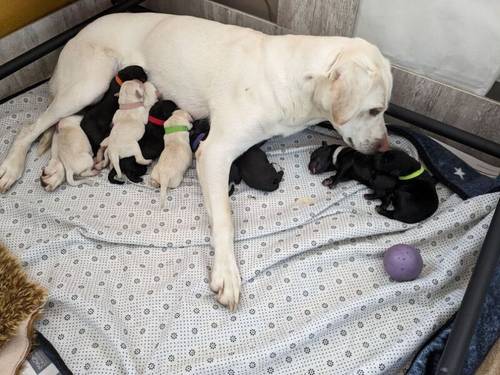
column 226, row 282
column 328, row 182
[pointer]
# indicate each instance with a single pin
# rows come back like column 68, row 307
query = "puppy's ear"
column 139, row 94
column 323, row 144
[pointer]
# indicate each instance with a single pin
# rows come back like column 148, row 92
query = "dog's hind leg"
column 76, row 83
column 139, row 158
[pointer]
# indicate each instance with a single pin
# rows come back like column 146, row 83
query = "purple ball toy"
column 403, row 262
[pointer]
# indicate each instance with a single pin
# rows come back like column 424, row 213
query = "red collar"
column 156, row 121
column 118, row 80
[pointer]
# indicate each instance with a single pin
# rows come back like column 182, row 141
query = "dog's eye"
column 375, row 111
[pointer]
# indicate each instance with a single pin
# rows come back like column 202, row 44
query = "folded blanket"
column 448, row 168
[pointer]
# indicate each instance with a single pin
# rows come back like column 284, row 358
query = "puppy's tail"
column 163, row 192
column 71, row 181
column 45, row 141
column 69, row 173
column 112, row 179
column 115, row 162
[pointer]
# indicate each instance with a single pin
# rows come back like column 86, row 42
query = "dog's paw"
column 226, row 282
column 10, row 171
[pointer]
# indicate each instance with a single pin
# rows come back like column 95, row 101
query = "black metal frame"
column 453, row 357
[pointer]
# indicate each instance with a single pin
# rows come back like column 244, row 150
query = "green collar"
column 175, row 129
column 413, row 175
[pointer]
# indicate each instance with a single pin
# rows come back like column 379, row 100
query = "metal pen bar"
column 454, row 354
column 50, row 45
column 448, row 131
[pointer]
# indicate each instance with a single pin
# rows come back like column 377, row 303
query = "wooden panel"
column 214, row 11
column 16, row 14
column 30, row 36
column 265, row 9
column 319, row 17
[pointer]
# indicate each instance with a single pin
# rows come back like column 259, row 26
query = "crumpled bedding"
column 128, row 282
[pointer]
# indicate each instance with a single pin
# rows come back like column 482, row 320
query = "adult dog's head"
column 353, row 94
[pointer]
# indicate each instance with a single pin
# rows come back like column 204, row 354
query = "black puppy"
column 151, row 143
column 414, row 198
column 252, row 166
column 97, row 118
column 395, row 177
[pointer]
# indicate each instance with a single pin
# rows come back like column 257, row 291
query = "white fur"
column 253, row 86
column 175, row 158
column 336, row 154
column 71, row 155
column 128, row 125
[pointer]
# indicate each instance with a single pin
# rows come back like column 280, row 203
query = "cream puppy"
column 176, row 156
column 135, row 100
column 71, row 155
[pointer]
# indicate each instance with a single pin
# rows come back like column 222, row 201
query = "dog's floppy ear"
column 350, row 81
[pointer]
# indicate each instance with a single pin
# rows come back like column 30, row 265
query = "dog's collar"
column 134, row 105
column 413, row 175
column 118, row 80
column 156, row 120
column 336, row 154
column 175, row 129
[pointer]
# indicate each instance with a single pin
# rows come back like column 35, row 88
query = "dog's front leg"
column 213, row 163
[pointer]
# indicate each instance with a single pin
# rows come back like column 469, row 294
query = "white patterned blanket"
column 128, row 281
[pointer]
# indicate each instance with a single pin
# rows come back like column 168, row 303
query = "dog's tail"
column 112, row 179
column 45, row 141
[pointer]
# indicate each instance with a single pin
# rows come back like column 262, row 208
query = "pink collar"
column 131, row 105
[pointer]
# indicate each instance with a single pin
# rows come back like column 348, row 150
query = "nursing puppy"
column 414, row 197
column 135, row 100
column 97, row 118
column 71, row 155
column 252, row 166
column 151, row 143
column 176, row 156
column 395, row 178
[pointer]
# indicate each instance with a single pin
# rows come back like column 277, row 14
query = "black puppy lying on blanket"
column 151, row 143
column 97, row 118
column 252, row 166
column 395, row 177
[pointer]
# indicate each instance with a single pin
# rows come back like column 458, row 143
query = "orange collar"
column 118, row 80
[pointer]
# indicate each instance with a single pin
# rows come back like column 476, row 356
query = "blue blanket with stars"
column 448, row 168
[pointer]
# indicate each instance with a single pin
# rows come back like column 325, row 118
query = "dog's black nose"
column 313, row 167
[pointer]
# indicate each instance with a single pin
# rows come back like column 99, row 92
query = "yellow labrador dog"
column 253, row 86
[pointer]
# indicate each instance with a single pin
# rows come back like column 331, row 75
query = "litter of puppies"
column 131, row 126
